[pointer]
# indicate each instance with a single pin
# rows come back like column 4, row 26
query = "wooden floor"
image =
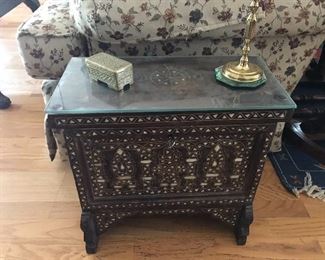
column 39, row 210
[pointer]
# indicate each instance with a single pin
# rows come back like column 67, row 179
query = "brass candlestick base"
column 250, row 79
column 243, row 74
column 248, row 74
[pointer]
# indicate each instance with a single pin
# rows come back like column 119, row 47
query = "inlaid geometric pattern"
column 135, row 119
column 214, row 159
column 157, row 161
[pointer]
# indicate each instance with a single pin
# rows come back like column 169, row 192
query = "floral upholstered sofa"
column 288, row 33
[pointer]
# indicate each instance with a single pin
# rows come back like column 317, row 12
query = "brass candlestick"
column 244, row 74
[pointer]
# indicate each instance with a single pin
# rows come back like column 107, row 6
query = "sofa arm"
column 48, row 39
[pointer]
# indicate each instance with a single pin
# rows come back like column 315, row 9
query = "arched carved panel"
column 121, row 170
column 214, row 166
column 170, row 168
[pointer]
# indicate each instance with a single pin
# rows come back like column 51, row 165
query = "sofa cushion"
column 48, row 39
column 132, row 21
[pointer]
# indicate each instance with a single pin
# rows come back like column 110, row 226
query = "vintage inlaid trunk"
column 160, row 150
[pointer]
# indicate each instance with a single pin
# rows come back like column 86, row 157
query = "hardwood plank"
column 297, row 227
column 279, row 208
column 314, row 208
column 180, row 240
column 274, row 200
column 25, row 210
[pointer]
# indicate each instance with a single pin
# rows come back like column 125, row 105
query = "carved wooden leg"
column 51, row 142
column 4, row 101
column 242, row 228
column 88, row 226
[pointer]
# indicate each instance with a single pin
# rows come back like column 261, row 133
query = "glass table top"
column 164, row 84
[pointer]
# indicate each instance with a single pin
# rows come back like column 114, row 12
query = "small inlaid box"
column 113, row 71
